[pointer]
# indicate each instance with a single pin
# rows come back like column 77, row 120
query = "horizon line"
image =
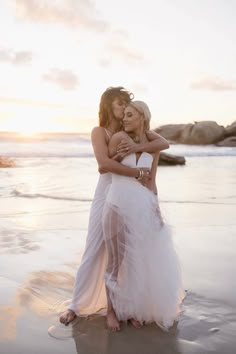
column 89, row 131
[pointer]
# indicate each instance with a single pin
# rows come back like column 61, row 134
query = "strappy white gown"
column 89, row 295
column 143, row 274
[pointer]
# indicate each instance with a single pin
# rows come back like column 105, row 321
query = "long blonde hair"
column 143, row 109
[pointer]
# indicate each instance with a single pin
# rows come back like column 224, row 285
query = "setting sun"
column 27, row 120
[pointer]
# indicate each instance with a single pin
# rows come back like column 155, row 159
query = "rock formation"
column 169, row 159
column 198, row 133
column 6, row 162
column 230, row 141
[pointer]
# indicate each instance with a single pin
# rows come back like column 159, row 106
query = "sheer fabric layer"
column 143, row 275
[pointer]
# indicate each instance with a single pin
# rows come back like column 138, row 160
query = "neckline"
column 133, row 156
column 137, row 158
column 142, row 153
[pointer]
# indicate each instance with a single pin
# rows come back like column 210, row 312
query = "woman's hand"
column 127, row 147
column 146, row 176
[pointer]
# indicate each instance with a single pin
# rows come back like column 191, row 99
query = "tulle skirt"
column 142, row 275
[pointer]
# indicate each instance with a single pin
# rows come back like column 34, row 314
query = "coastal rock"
column 6, row 162
column 199, row 133
column 230, row 130
column 171, row 132
column 230, row 141
column 169, row 159
column 203, row 133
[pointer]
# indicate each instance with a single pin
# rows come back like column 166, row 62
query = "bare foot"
column 112, row 321
column 67, row 317
column 135, row 323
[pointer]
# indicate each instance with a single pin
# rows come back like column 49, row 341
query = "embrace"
column 129, row 268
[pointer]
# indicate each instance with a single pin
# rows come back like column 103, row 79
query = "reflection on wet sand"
column 8, row 320
column 16, row 242
column 206, row 325
column 44, row 293
column 91, row 336
column 39, row 294
column 44, row 289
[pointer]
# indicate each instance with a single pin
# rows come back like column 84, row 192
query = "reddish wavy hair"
column 105, row 106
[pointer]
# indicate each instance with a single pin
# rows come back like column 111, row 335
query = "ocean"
column 44, row 207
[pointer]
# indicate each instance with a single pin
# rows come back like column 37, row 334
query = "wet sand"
column 31, row 300
column 39, row 256
column 205, row 326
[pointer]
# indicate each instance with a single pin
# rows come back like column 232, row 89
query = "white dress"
column 143, row 275
column 89, row 295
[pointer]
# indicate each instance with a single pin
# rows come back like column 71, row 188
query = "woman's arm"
column 155, row 144
column 151, row 184
column 100, row 147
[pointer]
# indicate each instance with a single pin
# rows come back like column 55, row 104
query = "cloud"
column 120, row 34
column 214, row 84
column 66, row 79
column 71, row 13
column 124, row 52
column 15, row 57
column 117, row 50
column 104, row 62
column 139, row 88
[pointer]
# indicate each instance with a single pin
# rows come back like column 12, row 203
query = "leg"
column 112, row 321
column 89, row 291
column 112, row 224
column 135, row 323
column 67, row 317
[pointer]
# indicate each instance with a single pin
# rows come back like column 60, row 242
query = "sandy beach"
column 42, row 239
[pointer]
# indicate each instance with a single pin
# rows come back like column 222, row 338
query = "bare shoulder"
column 98, row 137
column 98, row 134
column 97, row 131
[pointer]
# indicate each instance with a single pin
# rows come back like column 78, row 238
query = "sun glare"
column 29, row 122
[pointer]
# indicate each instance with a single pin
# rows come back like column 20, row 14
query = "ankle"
column 110, row 312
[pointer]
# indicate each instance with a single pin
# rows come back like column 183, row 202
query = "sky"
column 58, row 56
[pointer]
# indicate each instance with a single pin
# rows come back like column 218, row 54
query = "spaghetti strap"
column 109, row 135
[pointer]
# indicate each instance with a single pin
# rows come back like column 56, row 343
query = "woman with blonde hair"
column 142, row 277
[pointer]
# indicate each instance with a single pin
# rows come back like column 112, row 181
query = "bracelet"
column 140, row 174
